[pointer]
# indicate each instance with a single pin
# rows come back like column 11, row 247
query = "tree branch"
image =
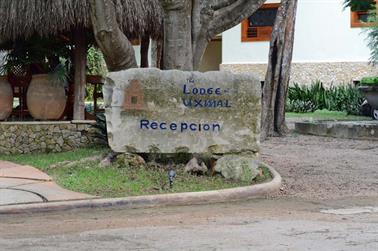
column 231, row 15
column 118, row 51
column 219, row 4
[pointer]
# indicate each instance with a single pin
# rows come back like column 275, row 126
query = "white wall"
column 323, row 34
column 212, row 57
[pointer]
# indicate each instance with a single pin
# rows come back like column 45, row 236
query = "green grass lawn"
column 325, row 115
column 90, row 178
column 43, row 160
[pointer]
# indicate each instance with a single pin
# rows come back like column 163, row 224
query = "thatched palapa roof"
column 21, row 19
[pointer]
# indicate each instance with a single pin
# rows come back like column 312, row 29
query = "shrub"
column 344, row 98
column 369, row 81
column 101, row 132
column 300, row 106
column 307, row 98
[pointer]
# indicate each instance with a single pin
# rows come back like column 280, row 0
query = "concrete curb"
column 366, row 130
column 176, row 199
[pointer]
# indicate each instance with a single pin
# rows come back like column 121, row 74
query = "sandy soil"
column 324, row 168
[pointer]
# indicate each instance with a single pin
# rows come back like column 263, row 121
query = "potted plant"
column 369, row 88
column 48, row 62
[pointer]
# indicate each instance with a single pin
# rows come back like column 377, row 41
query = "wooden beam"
column 80, row 62
column 144, row 46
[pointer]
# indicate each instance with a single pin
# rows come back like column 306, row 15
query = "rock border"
column 149, row 201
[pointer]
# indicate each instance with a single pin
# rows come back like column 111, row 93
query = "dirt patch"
column 324, row 168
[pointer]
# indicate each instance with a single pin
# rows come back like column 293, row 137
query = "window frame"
column 263, row 29
column 355, row 22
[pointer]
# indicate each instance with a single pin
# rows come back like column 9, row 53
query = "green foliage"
column 361, row 5
column 95, row 66
column 345, row 98
column 306, row 98
column 42, row 54
column 124, row 180
column 59, row 73
column 369, row 81
column 372, row 39
column 95, row 62
column 101, row 132
column 300, row 106
column 44, row 160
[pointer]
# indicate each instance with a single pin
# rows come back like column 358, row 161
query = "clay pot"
column 46, row 98
column 6, row 98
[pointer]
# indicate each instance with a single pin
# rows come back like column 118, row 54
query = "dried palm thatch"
column 21, row 19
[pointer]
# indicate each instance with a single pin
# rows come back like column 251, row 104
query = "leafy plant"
column 95, row 62
column 300, row 106
column 95, row 66
column 101, row 132
column 369, row 81
column 41, row 55
column 311, row 97
column 344, row 98
column 372, row 39
column 360, row 5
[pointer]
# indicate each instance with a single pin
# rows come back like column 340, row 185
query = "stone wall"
column 29, row 137
column 305, row 73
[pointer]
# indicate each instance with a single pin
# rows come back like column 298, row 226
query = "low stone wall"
column 59, row 136
column 335, row 73
column 341, row 129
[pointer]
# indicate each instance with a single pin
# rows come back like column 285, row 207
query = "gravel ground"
column 323, row 168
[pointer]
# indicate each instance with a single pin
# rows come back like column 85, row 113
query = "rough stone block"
column 149, row 110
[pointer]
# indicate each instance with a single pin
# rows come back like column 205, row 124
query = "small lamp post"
column 171, row 176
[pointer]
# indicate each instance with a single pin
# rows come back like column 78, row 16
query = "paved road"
column 280, row 224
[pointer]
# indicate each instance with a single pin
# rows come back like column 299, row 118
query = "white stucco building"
column 330, row 45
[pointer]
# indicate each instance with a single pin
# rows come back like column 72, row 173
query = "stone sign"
column 149, row 110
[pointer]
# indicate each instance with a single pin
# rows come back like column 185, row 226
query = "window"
column 361, row 18
column 259, row 26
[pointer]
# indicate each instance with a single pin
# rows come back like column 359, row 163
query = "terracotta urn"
column 46, row 97
column 6, row 98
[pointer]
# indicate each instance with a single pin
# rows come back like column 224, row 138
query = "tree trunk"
column 117, row 49
column 177, row 52
column 157, row 53
column 189, row 26
column 80, row 63
column 278, row 74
